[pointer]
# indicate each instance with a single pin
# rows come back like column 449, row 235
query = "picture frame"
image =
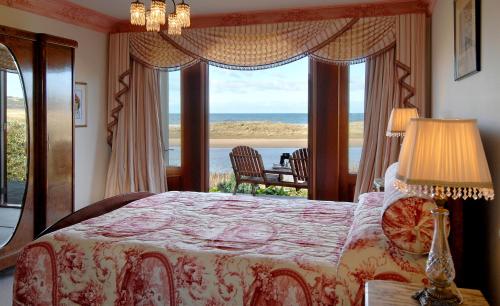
column 467, row 33
column 80, row 104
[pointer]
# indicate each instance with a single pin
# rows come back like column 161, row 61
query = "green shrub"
column 17, row 160
column 225, row 182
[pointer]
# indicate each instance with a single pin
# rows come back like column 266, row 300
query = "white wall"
column 91, row 149
column 477, row 96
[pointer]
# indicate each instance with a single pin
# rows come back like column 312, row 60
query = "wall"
column 477, row 96
column 91, row 149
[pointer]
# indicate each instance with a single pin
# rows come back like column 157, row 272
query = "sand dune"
column 263, row 134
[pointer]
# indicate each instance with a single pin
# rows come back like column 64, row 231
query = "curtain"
column 343, row 40
column 136, row 162
column 118, row 78
column 379, row 151
column 393, row 79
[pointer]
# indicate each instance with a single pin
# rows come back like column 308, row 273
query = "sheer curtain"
column 136, row 162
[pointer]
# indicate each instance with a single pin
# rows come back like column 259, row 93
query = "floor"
column 6, row 281
column 8, row 222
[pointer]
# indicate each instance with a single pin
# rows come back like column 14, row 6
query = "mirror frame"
column 27, row 146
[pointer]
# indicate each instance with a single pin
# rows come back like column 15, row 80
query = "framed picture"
column 467, row 37
column 80, row 104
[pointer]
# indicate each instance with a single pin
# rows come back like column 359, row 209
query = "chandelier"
column 157, row 16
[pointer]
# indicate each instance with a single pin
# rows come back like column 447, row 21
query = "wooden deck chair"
column 249, row 168
column 299, row 162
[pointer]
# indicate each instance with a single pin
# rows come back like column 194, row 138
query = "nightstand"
column 378, row 184
column 389, row 293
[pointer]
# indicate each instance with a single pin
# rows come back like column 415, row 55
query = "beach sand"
column 262, row 134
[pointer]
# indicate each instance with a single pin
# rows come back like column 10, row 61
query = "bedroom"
column 89, row 24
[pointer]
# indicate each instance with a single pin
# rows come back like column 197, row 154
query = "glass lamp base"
column 437, row 297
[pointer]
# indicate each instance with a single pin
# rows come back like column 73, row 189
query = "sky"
column 14, row 88
column 282, row 89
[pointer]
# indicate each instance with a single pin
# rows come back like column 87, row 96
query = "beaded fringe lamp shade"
column 444, row 158
column 399, row 120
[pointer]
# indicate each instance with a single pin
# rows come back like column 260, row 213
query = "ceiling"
column 120, row 8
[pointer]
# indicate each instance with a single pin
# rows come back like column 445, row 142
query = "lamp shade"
column 399, row 120
column 444, row 158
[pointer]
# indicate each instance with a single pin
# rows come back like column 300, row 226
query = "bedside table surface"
column 389, row 293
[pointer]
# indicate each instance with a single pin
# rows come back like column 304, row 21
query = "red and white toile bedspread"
column 191, row 249
column 212, row 249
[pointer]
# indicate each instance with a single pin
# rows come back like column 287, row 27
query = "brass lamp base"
column 437, row 297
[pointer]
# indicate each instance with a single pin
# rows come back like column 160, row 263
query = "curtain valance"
column 339, row 41
column 344, row 40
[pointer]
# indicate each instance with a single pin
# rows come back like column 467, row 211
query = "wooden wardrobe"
column 46, row 66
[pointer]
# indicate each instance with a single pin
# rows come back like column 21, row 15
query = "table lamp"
column 399, row 121
column 442, row 159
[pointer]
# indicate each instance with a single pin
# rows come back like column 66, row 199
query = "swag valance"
column 339, row 41
column 261, row 46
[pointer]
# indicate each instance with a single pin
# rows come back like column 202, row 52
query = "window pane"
column 356, row 114
column 264, row 109
column 174, row 118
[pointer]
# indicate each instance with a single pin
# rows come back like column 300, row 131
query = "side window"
column 171, row 117
column 356, row 114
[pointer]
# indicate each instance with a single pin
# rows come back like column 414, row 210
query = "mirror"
column 13, row 145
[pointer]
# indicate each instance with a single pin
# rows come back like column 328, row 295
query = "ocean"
column 219, row 157
column 292, row 118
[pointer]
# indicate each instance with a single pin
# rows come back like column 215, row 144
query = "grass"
column 225, row 182
column 267, row 130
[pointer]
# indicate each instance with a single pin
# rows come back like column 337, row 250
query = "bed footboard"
column 95, row 210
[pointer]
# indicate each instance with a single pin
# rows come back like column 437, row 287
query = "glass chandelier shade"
column 151, row 24
column 137, row 13
column 174, row 25
column 158, row 11
column 184, row 14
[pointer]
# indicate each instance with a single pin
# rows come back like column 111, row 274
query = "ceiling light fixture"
column 156, row 16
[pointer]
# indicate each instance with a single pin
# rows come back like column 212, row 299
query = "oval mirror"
column 13, row 145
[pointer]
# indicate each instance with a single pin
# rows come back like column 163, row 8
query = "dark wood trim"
column 40, row 147
column 15, row 33
column 54, row 40
column 329, row 132
column 97, row 209
column 174, row 178
column 324, row 131
column 194, row 128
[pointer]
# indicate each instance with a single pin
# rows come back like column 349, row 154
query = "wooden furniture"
column 46, row 65
column 249, row 168
column 299, row 163
column 389, row 293
column 96, row 209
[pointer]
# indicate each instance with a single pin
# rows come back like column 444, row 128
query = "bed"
column 185, row 248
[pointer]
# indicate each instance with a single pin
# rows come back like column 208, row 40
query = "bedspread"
column 181, row 248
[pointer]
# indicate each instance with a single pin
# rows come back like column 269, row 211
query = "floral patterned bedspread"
column 192, row 249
